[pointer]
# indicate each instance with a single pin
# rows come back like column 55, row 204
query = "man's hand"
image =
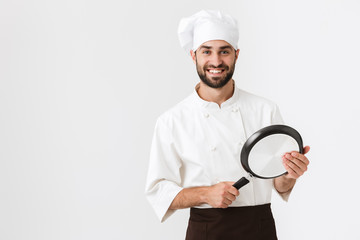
column 295, row 163
column 221, row 195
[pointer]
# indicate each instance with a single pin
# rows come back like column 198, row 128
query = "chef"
column 195, row 151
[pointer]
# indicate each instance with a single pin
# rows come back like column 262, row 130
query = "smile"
column 215, row 71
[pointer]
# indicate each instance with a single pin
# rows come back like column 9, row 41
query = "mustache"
column 219, row 66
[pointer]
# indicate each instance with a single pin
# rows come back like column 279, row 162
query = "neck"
column 216, row 95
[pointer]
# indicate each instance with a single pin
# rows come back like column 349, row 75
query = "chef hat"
column 207, row 25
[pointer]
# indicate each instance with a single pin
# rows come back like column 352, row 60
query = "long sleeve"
column 163, row 179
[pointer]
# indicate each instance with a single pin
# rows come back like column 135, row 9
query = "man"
column 194, row 158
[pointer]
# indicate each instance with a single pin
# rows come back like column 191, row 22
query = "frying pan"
column 261, row 155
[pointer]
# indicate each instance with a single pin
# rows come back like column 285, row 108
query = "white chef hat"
column 207, row 25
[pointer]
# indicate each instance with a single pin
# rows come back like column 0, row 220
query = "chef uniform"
column 198, row 143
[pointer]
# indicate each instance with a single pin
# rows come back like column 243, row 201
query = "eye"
column 206, row 52
column 224, row 52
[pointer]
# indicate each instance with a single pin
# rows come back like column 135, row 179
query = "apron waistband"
column 248, row 222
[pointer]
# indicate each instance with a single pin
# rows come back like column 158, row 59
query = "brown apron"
column 240, row 223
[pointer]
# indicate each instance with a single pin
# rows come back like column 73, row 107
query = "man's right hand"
column 221, row 195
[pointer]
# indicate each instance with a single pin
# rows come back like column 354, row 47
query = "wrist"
column 284, row 183
column 204, row 195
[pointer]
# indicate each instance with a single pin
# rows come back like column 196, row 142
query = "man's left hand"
column 295, row 163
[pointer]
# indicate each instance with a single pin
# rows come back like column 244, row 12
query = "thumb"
column 306, row 149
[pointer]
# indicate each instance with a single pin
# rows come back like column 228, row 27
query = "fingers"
column 297, row 157
column 229, row 196
column 227, row 202
column 295, row 170
column 223, row 194
column 227, row 199
column 232, row 189
column 296, row 163
column 230, row 192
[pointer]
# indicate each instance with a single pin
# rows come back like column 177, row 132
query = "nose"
column 216, row 60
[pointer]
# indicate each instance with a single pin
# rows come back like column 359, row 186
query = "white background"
column 82, row 83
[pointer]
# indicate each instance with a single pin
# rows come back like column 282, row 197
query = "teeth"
column 215, row 71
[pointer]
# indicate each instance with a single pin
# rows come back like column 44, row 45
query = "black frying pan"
column 261, row 155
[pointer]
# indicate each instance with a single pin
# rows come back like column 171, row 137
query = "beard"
column 215, row 82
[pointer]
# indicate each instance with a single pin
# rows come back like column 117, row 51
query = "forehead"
column 216, row 44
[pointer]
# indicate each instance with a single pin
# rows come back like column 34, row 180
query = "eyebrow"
column 222, row 47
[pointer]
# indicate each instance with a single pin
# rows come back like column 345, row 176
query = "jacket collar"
column 212, row 105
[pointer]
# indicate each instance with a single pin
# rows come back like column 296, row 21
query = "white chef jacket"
column 198, row 143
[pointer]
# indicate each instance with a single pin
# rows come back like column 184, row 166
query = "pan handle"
column 240, row 183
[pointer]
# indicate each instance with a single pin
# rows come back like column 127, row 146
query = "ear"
column 237, row 54
column 193, row 56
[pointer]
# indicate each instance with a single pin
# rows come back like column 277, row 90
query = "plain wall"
column 82, row 83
